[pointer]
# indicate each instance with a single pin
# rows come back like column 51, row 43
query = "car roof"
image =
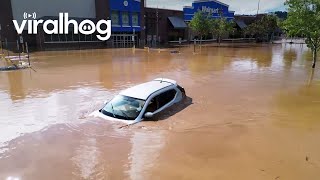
column 143, row 91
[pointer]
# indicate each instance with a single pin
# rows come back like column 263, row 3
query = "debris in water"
column 174, row 52
column 11, row 68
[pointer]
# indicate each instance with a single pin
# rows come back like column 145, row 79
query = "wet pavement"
column 252, row 112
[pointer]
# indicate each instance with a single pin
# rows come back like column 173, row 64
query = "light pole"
column 220, row 12
column 157, row 14
column 134, row 40
column 7, row 41
column 219, row 34
column 1, row 40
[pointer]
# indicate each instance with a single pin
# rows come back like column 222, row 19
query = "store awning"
column 241, row 24
column 177, row 22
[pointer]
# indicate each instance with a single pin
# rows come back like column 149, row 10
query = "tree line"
column 303, row 20
column 262, row 29
column 202, row 24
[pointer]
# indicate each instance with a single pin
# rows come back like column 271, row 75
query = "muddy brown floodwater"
column 252, row 112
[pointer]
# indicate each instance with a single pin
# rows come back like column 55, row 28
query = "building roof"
column 177, row 22
column 143, row 91
column 199, row 1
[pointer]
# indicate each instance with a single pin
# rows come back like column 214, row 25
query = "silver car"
column 142, row 101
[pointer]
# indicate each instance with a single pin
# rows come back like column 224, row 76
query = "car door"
column 161, row 101
column 165, row 99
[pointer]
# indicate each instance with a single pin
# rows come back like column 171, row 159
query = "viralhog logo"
column 61, row 26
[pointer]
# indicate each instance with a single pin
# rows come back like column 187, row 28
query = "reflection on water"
column 311, row 77
column 302, row 105
column 251, row 110
column 86, row 158
column 16, row 85
column 144, row 153
column 34, row 114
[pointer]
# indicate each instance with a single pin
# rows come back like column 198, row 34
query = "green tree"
column 263, row 28
column 304, row 20
column 251, row 30
column 200, row 23
column 221, row 27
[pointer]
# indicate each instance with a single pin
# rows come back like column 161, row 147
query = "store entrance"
column 124, row 40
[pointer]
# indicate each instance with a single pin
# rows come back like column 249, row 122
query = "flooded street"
column 252, row 112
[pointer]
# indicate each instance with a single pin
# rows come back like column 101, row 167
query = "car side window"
column 166, row 97
column 161, row 100
column 153, row 105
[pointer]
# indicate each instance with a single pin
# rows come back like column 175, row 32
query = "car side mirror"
column 148, row 115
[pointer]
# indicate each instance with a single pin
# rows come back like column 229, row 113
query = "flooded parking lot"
column 252, row 112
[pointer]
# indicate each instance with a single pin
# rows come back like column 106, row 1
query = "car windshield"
column 123, row 107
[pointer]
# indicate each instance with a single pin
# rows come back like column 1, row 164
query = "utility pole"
column 258, row 7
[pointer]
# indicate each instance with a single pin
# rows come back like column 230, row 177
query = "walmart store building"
column 130, row 18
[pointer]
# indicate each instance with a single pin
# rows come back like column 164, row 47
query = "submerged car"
column 142, row 101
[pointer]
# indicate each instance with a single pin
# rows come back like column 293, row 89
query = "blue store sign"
column 216, row 8
column 125, row 15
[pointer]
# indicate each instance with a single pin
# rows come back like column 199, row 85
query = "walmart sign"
column 210, row 10
column 216, row 8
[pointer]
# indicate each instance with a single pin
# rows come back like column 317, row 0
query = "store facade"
column 132, row 22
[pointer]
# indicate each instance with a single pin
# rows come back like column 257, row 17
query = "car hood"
column 100, row 115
